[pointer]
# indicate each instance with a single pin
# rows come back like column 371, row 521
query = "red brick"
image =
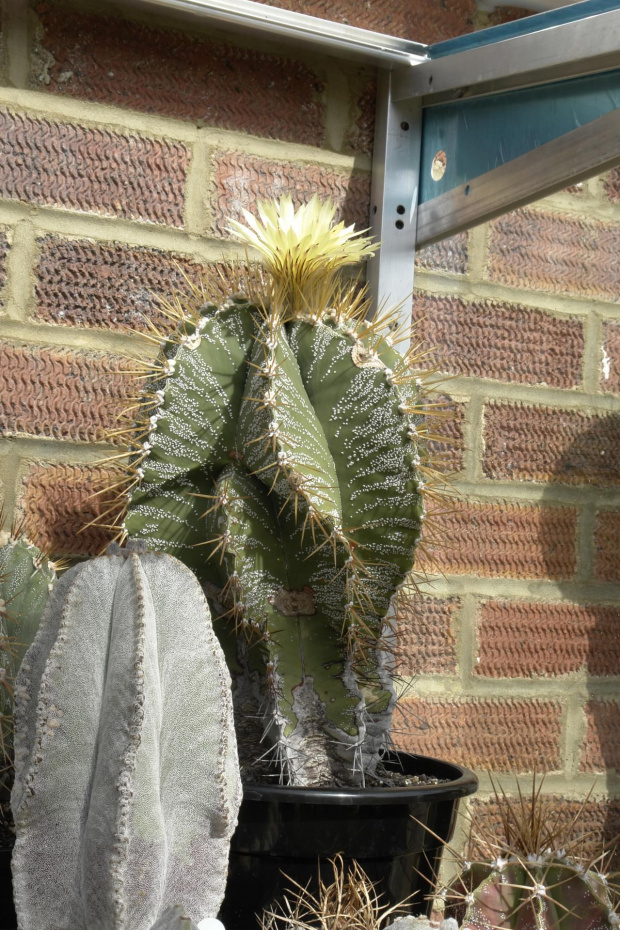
column 86, row 283
column 425, row 639
column 92, row 170
column 527, row 443
column 60, row 394
column 501, row 540
column 241, row 180
column 446, row 451
column 361, row 136
column 607, row 546
column 498, row 735
column 611, row 346
column 521, row 639
column 596, row 822
column 506, row 342
column 57, row 504
column 601, row 748
column 612, row 185
column 448, row 255
column 109, row 60
column 555, row 252
column 423, row 21
column 4, row 252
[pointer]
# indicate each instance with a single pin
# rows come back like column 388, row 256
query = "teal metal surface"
column 480, row 134
column 525, row 26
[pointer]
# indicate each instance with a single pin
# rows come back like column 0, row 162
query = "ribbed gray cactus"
column 126, row 775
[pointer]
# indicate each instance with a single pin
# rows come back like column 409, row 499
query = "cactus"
column 26, row 578
column 126, row 775
column 534, row 876
column 277, row 451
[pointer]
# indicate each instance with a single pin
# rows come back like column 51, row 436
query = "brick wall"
column 124, row 146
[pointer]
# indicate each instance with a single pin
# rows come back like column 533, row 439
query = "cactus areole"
column 277, row 450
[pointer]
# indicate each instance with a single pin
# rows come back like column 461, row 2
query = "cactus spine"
column 533, row 875
column 26, row 579
column 126, row 775
column 278, row 453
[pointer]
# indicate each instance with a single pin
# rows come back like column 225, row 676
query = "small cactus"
column 532, row 876
column 27, row 577
column 280, row 452
column 126, row 776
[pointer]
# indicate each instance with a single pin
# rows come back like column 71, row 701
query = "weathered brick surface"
column 528, row 443
column 361, row 136
column 86, row 283
column 4, row 252
column 92, row 170
column 423, row 21
column 598, row 821
column 502, row 540
column 57, row 503
column 446, row 453
column 501, row 735
column 610, row 371
column 448, row 255
column 555, row 252
column 60, row 394
column 108, row 60
column 612, row 185
column 519, row 639
column 241, row 180
column 607, row 546
column 601, row 749
column 425, row 640
column 506, row 342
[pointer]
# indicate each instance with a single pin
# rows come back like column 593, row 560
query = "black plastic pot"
column 294, row 830
column 8, row 920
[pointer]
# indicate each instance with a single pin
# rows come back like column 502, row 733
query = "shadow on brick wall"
column 590, row 459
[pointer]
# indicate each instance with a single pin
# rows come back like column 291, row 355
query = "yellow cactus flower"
column 303, row 251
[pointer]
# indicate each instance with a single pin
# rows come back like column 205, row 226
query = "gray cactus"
column 126, row 775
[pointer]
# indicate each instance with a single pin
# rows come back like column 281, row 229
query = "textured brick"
column 57, row 504
column 60, row 394
column 422, row 21
column 448, row 255
column 425, row 640
column 361, row 136
column 92, row 170
column 610, row 372
column 4, row 252
column 501, row 540
column 612, row 185
column 446, row 452
column 601, row 748
column 241, row 180
column 108, row 60
column 498, row 735
column 557, row 253
column 87, row 283
column 596, row 821
column 607, row 546
column 545, row 444
column 519, row 639
column 506, row 342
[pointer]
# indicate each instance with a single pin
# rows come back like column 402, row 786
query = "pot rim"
column 463, row 782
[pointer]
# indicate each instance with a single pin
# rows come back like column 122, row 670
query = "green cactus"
column 27, row 577
column 278, row 454
column 533, row 875
column 126, row 775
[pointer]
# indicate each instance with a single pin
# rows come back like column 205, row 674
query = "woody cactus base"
column 279, row 450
